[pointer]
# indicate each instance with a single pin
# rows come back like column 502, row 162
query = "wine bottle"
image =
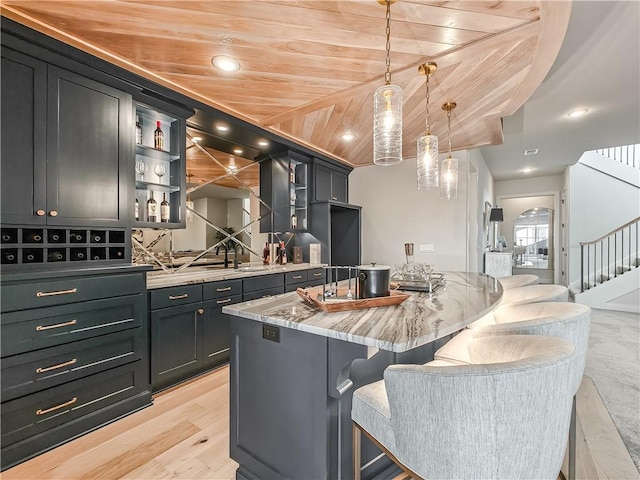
column 138, row 130
column 283, row 255
column 292, row 174
column 55, row 256
column 158, row 137
column 136, row 210
column 32, row 237
column 152, row 209
column 265, row 254
column 9, row 256
column 96, row 237
column 165, row 210
column 77, row 255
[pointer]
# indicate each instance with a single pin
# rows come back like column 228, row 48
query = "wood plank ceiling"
column 309, row 67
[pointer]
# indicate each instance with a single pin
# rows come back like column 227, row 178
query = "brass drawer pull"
column 297, row 277
column 40, row 328
column 178, row 297
column 59, row 292
column 55, row 367
column 225, row 289
column 319, row 274
column 57, row 407
column 226, row 300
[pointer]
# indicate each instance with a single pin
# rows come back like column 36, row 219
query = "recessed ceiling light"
column 531, row 151
column 577, row 112
column 222, row 128
column 237, row 151
column 348, row 136
column 225, row 63
column 263, row 143
column 528, row 169
column 196, row 139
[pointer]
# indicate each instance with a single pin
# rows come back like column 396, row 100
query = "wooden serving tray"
column 310, row 296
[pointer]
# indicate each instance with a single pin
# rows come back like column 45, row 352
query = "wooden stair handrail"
column 612, row 232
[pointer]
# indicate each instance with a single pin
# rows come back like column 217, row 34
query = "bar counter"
column 294, row 369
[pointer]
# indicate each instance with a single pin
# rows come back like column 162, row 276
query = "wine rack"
column 22, row 246
column 160, row 172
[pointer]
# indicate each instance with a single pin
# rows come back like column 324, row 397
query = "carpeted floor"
column 613, row 363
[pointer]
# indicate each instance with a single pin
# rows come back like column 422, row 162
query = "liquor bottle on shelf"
column 265, row 254
column 9, row 256
column 136, row 210
column 294, row 221
column 9, row 236
column 158, row 137
column 152, row 209
column 165, row 210
column 293, row 196
column 292, row 174
column 78, row 254
column 97, row 237
column 138, row 130
column 77, row 236
column 283, row 254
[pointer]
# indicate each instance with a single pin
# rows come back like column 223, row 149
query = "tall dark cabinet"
column 66, row 145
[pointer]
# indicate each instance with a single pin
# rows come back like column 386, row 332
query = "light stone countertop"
column 191, row 275
column 419, row 320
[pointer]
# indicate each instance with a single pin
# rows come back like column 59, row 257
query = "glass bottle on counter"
column 158, row 137
column 152, row 209
column 136, row 210
column 165, row 210
column 265, row 254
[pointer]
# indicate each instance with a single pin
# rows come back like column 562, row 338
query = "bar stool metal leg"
column 357, row 436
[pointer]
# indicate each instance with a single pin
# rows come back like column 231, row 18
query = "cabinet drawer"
column 262, row 282
column 221, row 289
column 45, row 327
column 45, row 293
column 263, row 293
column 27, row 416
column 299, row 276
column 174, row 296
column 34, row 371
column 315, row 275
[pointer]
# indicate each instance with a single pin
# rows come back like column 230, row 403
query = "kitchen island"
column 294, row 370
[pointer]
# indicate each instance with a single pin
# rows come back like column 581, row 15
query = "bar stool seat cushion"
column 370, row 410
column 515, row 281
column 535, row 293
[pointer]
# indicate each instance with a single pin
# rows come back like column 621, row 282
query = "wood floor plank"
column 167, row 440
column 610, row 456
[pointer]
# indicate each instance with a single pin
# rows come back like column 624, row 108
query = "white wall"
column 485, row 192
column 598, row 204
column 395, row 212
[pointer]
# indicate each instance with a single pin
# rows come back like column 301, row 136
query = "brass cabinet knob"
column 53, row 213
column 40, row 213
column 200, row 311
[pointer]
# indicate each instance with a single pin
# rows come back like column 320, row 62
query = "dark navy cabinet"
column 330, row 182
column 189, row 332
column 66, row 146
column 74, row 355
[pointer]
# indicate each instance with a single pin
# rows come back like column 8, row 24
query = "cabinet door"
column 175, row 351
column 322, row 183
column 339, row 187
column 23, row 138
column 215, row 331
column 89, row 151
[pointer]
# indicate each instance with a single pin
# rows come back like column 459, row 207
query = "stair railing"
column 609, row 256
column 626, row 154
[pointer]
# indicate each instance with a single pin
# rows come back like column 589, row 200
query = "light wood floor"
column 185, row 435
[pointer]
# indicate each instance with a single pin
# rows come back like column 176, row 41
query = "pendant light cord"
column 427, row 103
column 449, row 129
column 387, row 75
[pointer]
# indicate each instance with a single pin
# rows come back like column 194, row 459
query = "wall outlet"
column 428, row 248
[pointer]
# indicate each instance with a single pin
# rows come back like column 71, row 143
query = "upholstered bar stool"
column 515, row 281
column 506, row 415
column 535, row 293
column 566, row 320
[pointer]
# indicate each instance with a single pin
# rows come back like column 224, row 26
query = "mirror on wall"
column 533, row 239
column 223, row 201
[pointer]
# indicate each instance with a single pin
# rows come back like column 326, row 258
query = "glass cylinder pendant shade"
column 427, row 161
column 449, row 179
column 387, row 125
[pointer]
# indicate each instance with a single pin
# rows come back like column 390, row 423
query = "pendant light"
column 449, row 166
column 427, row 145
column 387, row 111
